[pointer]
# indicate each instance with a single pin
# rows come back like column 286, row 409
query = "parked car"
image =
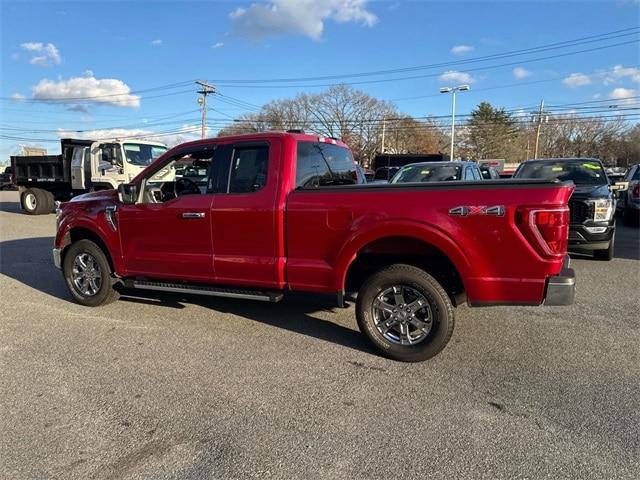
column 489, row 173
column 629, row 200
column 6, row 179
column 592, row 205
column 283, row 211
column 438, row 172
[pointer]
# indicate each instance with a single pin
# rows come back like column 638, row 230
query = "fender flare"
column 87, row 224
column 399, row 228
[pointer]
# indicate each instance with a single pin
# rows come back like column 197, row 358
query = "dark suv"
column 592, row 205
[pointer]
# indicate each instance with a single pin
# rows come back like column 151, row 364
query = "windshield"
column 141, row 154
column 427, row 173
column 581, row 172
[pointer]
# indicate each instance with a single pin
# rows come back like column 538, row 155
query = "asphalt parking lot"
column 187, row 387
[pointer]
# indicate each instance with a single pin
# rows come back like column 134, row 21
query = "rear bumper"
column 561, row 289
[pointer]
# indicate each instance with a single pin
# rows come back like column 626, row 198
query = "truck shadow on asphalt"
column 29, row 262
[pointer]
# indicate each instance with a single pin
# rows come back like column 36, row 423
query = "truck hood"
column 591, row 191
column 103, row 195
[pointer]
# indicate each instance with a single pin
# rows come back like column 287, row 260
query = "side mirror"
column 128, row 193
column 619, row 187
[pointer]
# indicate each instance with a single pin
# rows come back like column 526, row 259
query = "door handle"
column 193, row 215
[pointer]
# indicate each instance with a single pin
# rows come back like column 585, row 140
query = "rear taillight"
column 547, row 230
column 635, row 193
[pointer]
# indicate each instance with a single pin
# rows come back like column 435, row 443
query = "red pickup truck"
column 257, row 215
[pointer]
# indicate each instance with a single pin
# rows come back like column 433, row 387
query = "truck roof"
column 568, row 159
column 300, row 137
column 110, row 140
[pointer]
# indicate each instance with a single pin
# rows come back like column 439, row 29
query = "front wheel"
column 405, row 313
column 607, row 253
column 88, row 274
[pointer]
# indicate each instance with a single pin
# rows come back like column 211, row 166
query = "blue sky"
column 98, row 49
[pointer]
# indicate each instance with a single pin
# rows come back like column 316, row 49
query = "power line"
column 564, row 44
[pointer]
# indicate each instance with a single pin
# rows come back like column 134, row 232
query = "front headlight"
column 603, row 210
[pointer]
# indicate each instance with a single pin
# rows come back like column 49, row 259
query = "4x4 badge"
column 465, row 211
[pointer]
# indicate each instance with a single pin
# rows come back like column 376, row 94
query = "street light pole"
column 453, row 121
column 453, row 91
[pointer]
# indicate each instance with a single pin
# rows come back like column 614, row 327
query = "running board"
column 229, row 292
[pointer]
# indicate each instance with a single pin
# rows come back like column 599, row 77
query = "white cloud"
column 87, row 73
column 42, row 54
column 520, row 72
column 306, row 17
column 596, row 95
column 156, row 43
column 186, row 133
column 619, row 73
column 109, row 91
column 577, row 80
column 457, row 77
column 461, row 49
column 17, row 97
column 217, row 45
column 624, row 94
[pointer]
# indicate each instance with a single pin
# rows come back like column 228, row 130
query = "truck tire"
column 51, row 201
column 606, row 254
column 34, row 201
column 87, row 274
column 405, row 313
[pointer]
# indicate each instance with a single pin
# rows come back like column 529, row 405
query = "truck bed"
column 328, row 228
column 32, row 169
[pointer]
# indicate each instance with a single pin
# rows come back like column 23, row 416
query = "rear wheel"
column 50, row 201
column 35, row 201
column 88, row 274
column 405, row 313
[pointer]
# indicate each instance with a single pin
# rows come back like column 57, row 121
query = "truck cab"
column 106, row 164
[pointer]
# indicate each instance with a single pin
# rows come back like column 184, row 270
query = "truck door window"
column 185, row 174
column 324, row 164
column 76, row 158
column 110, row 156
column 248, row 169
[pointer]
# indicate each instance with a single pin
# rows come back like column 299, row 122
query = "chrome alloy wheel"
column 86, row 274
column 402, row 315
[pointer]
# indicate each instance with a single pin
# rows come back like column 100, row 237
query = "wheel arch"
column 81, row 232
column 404, row 242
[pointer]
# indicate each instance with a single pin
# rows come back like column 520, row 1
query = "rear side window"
column 248, row 169
column 324, row 165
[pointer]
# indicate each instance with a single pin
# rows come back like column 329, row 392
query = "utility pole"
column 202, row 101
column 384, row 125
column 539, row 118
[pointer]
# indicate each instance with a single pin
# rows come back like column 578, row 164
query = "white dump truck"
column 83, row 166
